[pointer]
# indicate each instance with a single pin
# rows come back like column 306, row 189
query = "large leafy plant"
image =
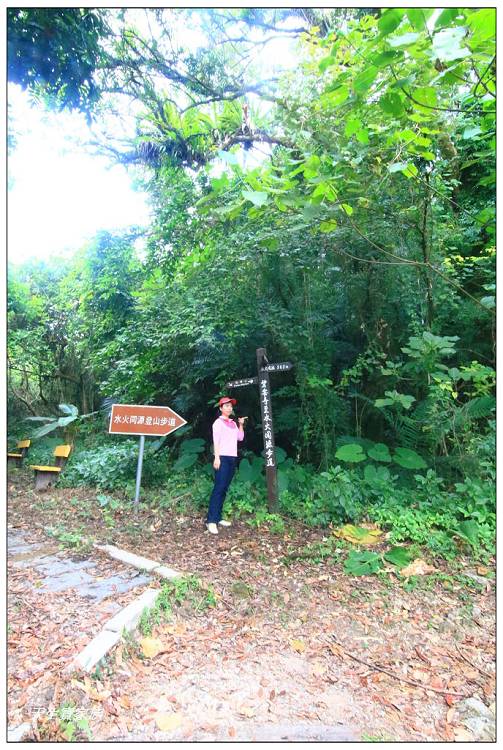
column 354, row 453
column 71, row 417
column 447, row 400
column 189, row 453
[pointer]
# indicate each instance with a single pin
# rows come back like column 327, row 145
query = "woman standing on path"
column 225, row 445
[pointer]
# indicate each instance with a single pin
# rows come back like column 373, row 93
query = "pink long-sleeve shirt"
column 226, row 434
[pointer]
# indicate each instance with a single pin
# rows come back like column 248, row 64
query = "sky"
column 59, row 196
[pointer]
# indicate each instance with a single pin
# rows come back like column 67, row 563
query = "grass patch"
column 328, row 549
column 74, row 540
column 187, row 590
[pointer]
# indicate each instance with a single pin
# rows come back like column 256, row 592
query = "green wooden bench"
column 45, row 476
column 17, row 456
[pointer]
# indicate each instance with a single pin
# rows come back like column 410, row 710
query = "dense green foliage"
column 56, row 54
column 360, row 247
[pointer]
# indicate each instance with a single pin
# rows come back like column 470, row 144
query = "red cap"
column 226, row 400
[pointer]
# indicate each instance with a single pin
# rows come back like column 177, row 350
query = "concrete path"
column 301, row 732
column 59, row 571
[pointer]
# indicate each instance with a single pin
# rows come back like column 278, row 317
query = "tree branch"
column 481, row 82
column 253, row 22
column 398, row 677
column 223, row 97
column 483, row 74
column 441, row 109
column 257, row 137
column 23, row 400
column 418, row 264
column 43, row 375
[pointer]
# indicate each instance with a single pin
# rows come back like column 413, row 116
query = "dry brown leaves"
column 292, row 610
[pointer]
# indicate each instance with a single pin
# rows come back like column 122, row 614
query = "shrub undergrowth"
column 415, row 506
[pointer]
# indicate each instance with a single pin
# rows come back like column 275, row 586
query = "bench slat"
column 63, row 451
column 46, row 468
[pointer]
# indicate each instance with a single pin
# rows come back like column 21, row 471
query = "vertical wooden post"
column 268, row 432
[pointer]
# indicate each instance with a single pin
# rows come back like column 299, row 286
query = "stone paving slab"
column 55, row 566
column 60, row 572
column 16, row 539
column 101, row 589
column 25, row 559
column 72, row 579
column 15, row 548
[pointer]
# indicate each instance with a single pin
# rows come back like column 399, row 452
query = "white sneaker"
column 212, row 528
column 224, row 523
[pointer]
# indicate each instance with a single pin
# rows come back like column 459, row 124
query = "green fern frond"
column 483, row 406
column 410, row 433
column 477, row 408
column 230, row 117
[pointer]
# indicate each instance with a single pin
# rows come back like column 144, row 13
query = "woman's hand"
column 241, row 421
column 216, row 463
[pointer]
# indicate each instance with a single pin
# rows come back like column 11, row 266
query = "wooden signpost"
column 134, row 419
column 263, row 369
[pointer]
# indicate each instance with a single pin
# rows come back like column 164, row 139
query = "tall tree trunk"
column 41, row 386
column 425, row 249
column 84, row 406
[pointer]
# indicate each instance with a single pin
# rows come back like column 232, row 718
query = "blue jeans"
column 223, row 477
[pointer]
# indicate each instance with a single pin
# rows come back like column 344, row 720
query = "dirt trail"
column 272, row 659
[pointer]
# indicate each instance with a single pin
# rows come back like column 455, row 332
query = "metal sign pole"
column 138, row 472
column 142, row 420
